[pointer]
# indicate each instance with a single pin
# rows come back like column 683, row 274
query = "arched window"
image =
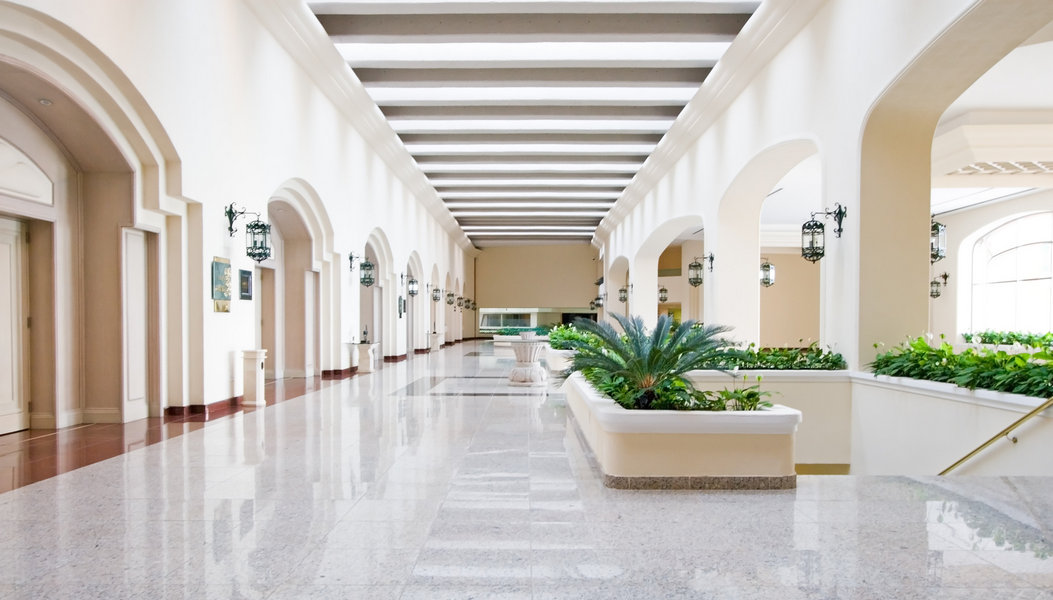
column 1013, row 276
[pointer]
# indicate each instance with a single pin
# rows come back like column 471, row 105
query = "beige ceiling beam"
column 411, row 7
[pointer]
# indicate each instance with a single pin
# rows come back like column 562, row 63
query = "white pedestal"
column 253, row 364
column 528, row 371
column 367, row 357
column 436, row 342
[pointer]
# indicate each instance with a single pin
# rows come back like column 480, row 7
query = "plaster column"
column 643, row 296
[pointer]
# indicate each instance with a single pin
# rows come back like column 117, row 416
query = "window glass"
column 1013, row 276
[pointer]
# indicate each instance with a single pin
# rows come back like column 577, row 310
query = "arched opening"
column 86, row 336
column 617, row 279
column 646, row 279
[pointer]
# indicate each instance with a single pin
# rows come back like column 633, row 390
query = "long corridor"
column 434, row 479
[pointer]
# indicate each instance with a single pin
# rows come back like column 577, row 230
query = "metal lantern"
column 366, row 276
column 937, row 242
column 436, row 294
column 623, row 294
column 460, row 301
column 767, row 274
column 663, row 294
column 257, row 240
column 413, row 287
column 450, row 298
column 592, row 305
column 599, row 301
column 813, row 240
column 694, row 273
column 934, row 285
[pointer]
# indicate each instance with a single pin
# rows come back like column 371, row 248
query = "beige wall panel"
column 790, row 308
column 536, row 276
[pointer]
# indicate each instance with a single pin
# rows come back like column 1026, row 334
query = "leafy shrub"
column 1034, row 340
column 560, row 335
column 809, row 358
column 645, row 370
column 1023, row 373
column 510, row 330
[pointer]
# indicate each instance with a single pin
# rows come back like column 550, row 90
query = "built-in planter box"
column 558, row 360
column 824, row 439
column 659, row 449
column 903, row 426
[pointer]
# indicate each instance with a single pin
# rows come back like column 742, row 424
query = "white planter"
column 558, row 360
column 660, row 449
column 505, row 340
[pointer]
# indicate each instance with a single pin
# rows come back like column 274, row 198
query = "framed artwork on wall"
column 245, row 284
column 220, row 284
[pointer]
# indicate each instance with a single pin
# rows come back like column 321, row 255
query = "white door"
column 14, row 337
column 136, row 340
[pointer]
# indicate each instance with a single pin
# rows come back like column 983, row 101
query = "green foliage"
column 1023, row 373
column 1033, row 340
column 809, row 358
column 560, row 335
column 511, row 330
column 750, row 397
column 645, row 370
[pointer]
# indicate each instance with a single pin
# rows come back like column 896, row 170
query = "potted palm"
column 650, row 428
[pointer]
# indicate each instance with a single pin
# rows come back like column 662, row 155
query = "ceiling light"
column 533, row 183
column 530, row 125
column 591, row 214
column 534, row 54
column 563, row 167
column 529, row 148
column 531, row 95
column 481, row 205
column 513, row 194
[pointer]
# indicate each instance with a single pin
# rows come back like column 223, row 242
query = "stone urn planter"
column 660, row 449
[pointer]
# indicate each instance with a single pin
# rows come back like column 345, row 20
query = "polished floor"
column 434, row 479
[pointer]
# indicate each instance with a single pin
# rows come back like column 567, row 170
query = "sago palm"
column 643, row 363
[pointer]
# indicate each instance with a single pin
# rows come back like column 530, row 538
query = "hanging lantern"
column 450, row 298
column 813, row 240
column 767, row 274
column 413, row 287
column 623, row 294
column 694, row 273
column 937, row 242
column 366, row 276
column 599, row 301
column 257, row 240
column 460, row 301
column 436, row 294
column 935, row 285
column 663, row 294
column 592, row 305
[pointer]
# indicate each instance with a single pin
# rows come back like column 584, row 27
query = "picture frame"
column 220, row 284
column 245, row 284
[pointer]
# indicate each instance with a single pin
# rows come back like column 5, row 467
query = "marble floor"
column 434, row 479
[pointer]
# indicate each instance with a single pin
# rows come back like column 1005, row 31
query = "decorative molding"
column 21, row 179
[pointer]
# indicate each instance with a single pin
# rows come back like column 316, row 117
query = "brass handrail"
column 1004, row 432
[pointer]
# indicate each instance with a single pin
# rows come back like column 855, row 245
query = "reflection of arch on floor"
column 129, row 176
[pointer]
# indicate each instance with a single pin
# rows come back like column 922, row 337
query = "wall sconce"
column 934, row 285
column 813, row 233
column 598, row 301
column 402, row 306
column 663, row 294
column 767, row 273
column 937, row 241
column 413, row 287
column 366, row 268
column 592, row 305
column 436, row 294
column 257, row 233
column 450, row 298
column 694, row 270
column 460, row 301
column 623, row 294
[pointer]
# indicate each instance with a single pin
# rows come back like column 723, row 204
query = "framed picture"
column 245, row 284
column 220, row 284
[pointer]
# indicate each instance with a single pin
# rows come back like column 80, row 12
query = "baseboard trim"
column 395, row 358
column 422, row 350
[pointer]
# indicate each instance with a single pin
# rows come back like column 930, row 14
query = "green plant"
column 809, row 358
column 510, row 330
column 559, row 337
column 1034, row 340
column 1021, row 373
column 745, row 398
column 645, row 369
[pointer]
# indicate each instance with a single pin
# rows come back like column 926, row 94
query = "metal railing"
column 1004, row 433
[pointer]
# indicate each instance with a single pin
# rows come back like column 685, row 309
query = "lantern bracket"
column 838, row 213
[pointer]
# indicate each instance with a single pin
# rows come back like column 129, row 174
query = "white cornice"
column 298, row 31
column 766, row 33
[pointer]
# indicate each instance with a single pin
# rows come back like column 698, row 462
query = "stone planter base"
column 786, row 482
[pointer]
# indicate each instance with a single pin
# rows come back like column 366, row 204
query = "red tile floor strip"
column 33, row 455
